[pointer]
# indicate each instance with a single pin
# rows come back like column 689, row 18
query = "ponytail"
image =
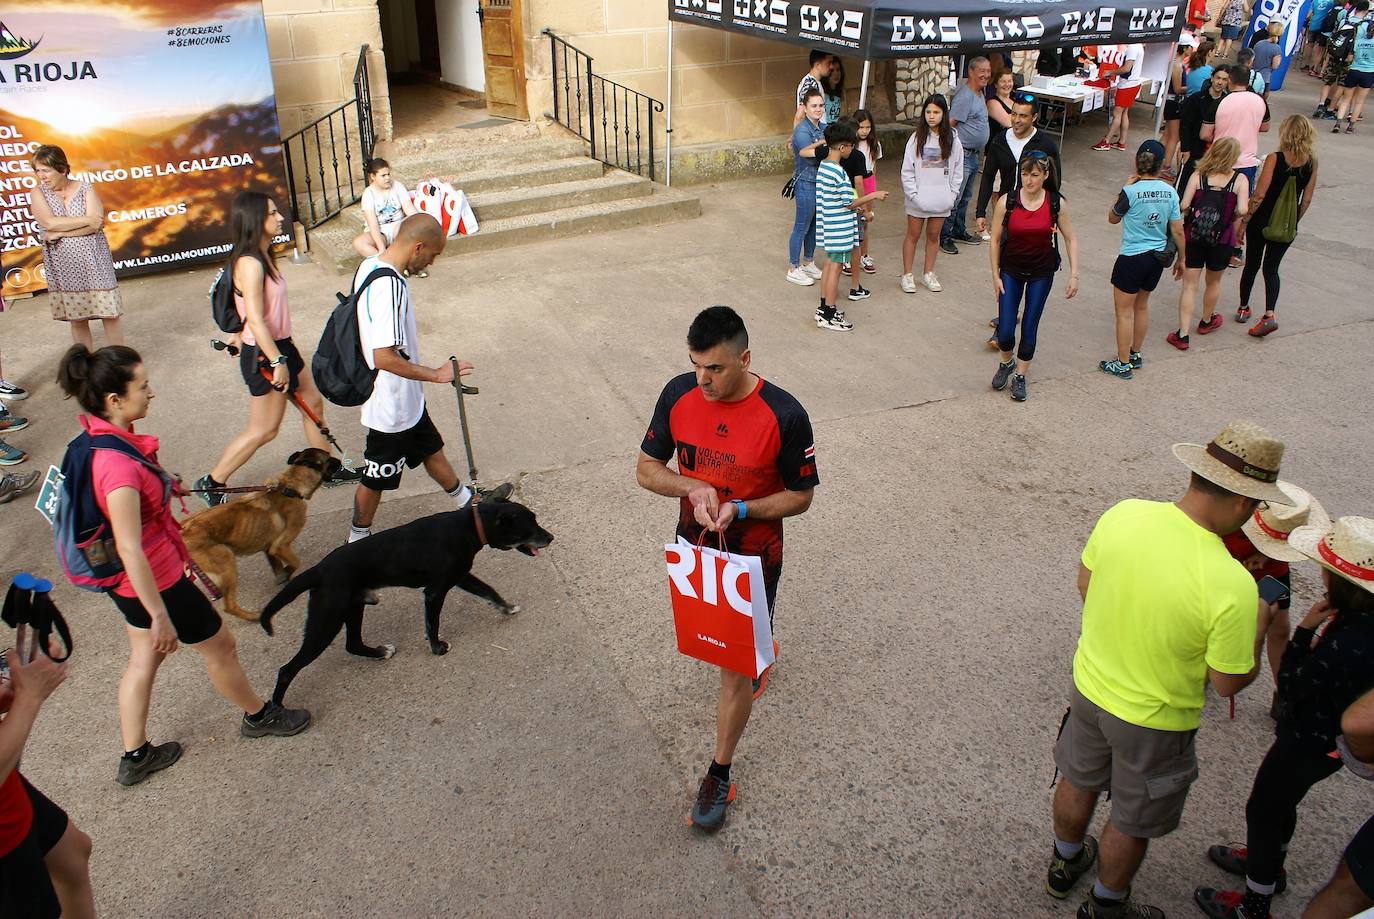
column 88, row 377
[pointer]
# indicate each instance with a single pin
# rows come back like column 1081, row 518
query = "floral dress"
column 80, row 269
column 1234, row 14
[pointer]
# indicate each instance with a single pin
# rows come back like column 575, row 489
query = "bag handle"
column 720, row 541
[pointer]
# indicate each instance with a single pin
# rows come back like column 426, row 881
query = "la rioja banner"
column 166, row 108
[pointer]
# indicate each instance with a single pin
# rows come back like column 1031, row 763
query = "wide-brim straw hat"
column 1243, row 459
column 1345, row 548
column 1270, row 524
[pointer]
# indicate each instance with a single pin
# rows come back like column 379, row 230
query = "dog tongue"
column 534, row 551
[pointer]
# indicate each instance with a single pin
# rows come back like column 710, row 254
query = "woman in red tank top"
column 1024, row 258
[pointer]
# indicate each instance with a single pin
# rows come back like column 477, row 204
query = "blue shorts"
column 1358, row 79
column 1230, row 32
column 1133, row 273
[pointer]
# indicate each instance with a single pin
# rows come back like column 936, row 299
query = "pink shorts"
column 871, row 184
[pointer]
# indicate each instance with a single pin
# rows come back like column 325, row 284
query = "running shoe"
column 11, row 455
column 985, row 236
column 1118, row 145
column 1018, row 387
column 1237, row 260
column 992, row 343
column 14, row 484
column 1065, row 872
column 1208, row 326
column 931, row 282
column 812, row 271
column 1263, row 327
column 847, row 270
column 1178, row 341
column 1243, row 314
column 761, row 681
column 342, row 476
column 1003, row 374
column 1350, row 126
column 1093, row 908
column 797, row 276
column 11, row 393
column 860, row 293
column 967, row 237
column 1232, row 860
column 829, row 318
column 908, row 284
column 158, row 757
column 1319, row 113
column 708, row 813
column 1137, row 360
column 10, row 422
column 422, row 273
column 947, row 246
column 1115, row 368
column 1336, row 128
column 211, row 498
column 1223, row 904
column 501, row 492
column 1102, row 145
column 867, row 264
column 275, row 721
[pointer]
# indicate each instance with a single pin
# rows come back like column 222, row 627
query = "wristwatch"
column 279, row 359
column 739, row 505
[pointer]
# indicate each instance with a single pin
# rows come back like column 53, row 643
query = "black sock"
column 719, row 771
column 257, row 716
column 214, row 483
column 137, row 755
column 1255, row 904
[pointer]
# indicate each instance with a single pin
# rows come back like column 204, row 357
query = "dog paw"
column 388, row 652
column 438, row 647
column 511, row 609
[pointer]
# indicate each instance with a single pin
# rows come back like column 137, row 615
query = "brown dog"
column 264, row 521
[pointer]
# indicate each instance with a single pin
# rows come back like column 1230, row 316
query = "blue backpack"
column 81, row 535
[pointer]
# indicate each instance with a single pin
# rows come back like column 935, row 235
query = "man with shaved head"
column 400, row 434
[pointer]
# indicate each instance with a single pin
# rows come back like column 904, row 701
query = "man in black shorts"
column 400, row 434
column 44, row 858
column 745, row 460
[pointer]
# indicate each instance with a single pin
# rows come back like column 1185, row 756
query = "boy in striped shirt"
column 837, row 225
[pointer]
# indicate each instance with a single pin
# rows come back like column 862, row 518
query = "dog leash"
column 285, row 490
column 477, row 519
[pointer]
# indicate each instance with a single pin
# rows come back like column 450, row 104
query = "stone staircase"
column 525, row 185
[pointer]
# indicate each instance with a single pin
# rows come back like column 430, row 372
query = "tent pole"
column 863, row 87
column 668, row 146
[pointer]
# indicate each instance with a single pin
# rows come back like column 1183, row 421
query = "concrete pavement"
column 899, row 763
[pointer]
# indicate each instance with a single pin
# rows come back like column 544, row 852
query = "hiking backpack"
column 339, row 367
column 1328, row 25
column 1212, row 215
column 81, row 535
column 1342, row 45
column 222, row 308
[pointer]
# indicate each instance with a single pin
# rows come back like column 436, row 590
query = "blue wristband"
column 739, row 505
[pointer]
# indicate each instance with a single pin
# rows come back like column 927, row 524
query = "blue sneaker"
column 1115, row 368
column 211, row 498
column 1137, row 360
column 11, row 456
column 10, row 422
column 709, row 811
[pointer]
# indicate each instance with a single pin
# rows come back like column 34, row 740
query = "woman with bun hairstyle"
column 160, row 603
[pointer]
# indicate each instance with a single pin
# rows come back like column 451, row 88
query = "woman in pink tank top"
column 271, row 365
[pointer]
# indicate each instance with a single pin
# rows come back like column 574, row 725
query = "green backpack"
column 1283, row 219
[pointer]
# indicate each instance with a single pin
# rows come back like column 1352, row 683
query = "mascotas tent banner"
column 894, row 28
column 166, row 108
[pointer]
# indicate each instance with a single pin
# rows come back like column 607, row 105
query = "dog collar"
column 288, row 491
column 477, row 520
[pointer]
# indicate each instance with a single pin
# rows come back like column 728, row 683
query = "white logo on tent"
column 904, row 29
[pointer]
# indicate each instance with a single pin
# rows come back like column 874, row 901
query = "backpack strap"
column 1231, row 184
column 116, row 444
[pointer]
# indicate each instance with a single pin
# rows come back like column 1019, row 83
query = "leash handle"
column 461, row 390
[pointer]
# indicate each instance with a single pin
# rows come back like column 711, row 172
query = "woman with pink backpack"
column 1214, row 203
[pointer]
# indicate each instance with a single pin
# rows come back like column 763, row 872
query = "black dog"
column 432, row 553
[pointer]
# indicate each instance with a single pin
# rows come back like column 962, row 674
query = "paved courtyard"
column 899, row 763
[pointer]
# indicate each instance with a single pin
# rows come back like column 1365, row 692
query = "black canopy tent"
column 875, row 29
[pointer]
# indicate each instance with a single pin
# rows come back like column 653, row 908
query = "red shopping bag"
column 720, row 609
column 447, row 205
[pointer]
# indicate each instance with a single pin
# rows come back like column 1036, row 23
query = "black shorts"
column 1358, row 79
column 1319, row 38
column 1359, row 858
column 257, row 385
column 387, row 456
column 26, row 891
column 190, row 611
column 1198, row 254
column 1133, row 273
column 1173, row 109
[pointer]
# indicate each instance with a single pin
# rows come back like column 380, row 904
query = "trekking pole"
column 463, row 389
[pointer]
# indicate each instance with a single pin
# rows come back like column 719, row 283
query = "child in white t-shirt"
column 385, row 204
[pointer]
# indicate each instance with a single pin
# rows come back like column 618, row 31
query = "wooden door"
column 504, row 58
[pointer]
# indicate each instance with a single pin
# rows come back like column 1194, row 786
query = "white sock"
column 460, row 495
column 356, row 533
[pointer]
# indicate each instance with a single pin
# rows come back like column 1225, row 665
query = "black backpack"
column 1342, row 46
column 339, row 368
column 1328, row 25
column 222, row 308
column 1212, row 211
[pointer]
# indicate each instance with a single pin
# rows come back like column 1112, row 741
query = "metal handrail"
column 614, row 145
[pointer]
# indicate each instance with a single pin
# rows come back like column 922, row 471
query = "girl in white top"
column 386, row 203
column 932, row 171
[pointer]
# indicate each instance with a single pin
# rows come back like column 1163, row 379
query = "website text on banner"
column 870, row 29
column 1291, row 13
column 166, row 114
column 720, row 607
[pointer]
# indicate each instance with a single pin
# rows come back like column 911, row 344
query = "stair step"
column 478, row 158
column 517, row 202
column 502, row 178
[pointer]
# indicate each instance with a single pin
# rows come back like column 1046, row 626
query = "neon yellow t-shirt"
column 1166, row 601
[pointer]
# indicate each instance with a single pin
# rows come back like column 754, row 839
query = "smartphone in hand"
column 1272, row 590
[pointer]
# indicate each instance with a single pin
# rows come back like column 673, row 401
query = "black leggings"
column 1271, row 814
column 1261, row 255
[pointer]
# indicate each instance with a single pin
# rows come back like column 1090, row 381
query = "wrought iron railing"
column 616, row 121
column 326, row 161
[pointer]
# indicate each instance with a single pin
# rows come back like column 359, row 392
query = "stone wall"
column 918, row 77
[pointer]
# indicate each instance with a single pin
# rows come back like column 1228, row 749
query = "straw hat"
column 1243, row 458
column 1269, row 526
column 1346, row 549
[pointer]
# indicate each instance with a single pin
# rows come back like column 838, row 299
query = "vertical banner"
column 166, row 108
column 1291, row 13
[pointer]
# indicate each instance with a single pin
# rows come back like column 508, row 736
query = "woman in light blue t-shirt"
column 1148, row 212
column 1359, row 79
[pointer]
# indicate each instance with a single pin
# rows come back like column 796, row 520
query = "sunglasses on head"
column 1038, row 155
column 1023, row 97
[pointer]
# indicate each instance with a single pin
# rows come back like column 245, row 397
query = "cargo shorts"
column 1147, row 771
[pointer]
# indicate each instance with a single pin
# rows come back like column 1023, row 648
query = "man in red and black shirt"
column 745, row 460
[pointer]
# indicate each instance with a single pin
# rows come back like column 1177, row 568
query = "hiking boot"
column 1004, row 371
column 1115, row 368
column 828, row 318
column 811, row 271
column 908, row 284
column 931, row 282
column 708, row 813
column 1065, row 872
column 11, row 393
column 1232, row 860
column 1242, row 314
column 1094, row 908
column 1018, row 387
column 1223, row 904
column 1263, row 327
column 12, row 485
column 1137, row 360
column 797, row 276
column 342, row 476
column 10, row 422
column 276, row 721
column 867, row 264
column 1102, row 145
column 947, row 246
column 501, row 492
column 158, row 757
column 211, row 498
column 1207, row 326
column 860, row 293
column 11, row 455
column 1178, row 341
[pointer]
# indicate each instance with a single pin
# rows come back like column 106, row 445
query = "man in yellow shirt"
column 1166, row 609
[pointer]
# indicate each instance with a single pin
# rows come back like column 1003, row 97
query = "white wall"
column 460, row 44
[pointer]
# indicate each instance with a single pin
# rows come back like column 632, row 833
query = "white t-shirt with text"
column 385, row 205
column 386, row 320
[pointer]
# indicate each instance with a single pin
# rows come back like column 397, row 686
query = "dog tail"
column 294, row 588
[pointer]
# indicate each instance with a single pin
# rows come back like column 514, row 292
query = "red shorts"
column 1125, row 98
